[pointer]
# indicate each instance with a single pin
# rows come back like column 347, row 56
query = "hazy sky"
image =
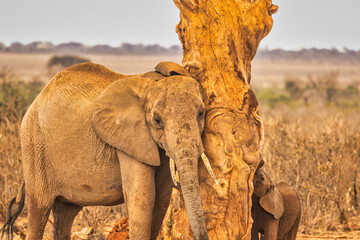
column 298, row 23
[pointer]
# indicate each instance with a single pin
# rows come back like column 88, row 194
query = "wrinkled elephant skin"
column 276, row 209
column 95, row 137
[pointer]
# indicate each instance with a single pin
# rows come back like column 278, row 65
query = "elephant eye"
column 158, row 121
column 201, row 113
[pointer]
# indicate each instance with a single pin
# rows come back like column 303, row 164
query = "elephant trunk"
column 189, row 180
column 185, row 148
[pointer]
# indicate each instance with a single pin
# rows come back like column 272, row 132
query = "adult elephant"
column 95, row 137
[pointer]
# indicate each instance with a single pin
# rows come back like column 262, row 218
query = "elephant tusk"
column 174, row 175
column 208, row 167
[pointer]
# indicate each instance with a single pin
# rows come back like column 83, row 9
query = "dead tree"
column 219, row 40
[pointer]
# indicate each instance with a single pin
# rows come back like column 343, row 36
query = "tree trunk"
column 219, row 40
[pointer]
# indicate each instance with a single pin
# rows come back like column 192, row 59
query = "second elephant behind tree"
column 276, row 209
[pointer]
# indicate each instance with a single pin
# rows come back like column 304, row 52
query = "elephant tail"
column 15, row 208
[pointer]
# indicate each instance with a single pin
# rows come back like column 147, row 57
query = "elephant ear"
column 170, row 68
column 119, row 119
column 261, row 164
column 273, row 203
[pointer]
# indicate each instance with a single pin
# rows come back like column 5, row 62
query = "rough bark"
column 219, row 39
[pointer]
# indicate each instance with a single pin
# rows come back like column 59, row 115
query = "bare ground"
column 81, row 233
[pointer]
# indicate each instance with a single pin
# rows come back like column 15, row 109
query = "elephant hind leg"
column 293, row 231
column 64, row 215
column 38, row 213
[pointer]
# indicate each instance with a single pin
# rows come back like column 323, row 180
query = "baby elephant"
column 276, row 209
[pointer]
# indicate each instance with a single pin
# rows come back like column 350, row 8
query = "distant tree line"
column 78, row 48
column 311, row 54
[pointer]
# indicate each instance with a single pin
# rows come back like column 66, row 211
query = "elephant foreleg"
column 138, row 181
column 254, row 233
column 64, row 215
column 270, row 228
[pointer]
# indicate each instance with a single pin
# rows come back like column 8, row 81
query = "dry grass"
column 271, row 73
column 317, row 151
column 312, row 141
column 315, row 148
column 15, row 97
